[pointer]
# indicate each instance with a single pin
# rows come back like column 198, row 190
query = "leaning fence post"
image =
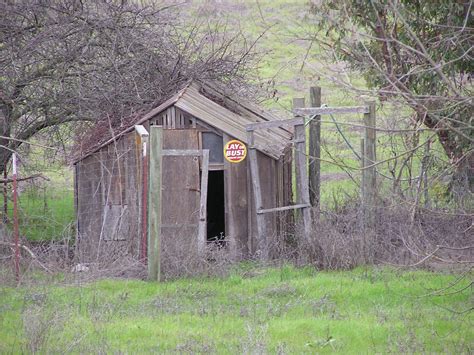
column 315, row 153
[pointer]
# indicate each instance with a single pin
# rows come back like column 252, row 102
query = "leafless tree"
column 72, row 61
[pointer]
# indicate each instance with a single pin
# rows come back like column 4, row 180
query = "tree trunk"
column 462, row 182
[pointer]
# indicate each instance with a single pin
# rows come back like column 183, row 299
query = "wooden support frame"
column 302, row 177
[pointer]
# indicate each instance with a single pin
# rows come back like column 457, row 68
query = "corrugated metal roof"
column 196, row 99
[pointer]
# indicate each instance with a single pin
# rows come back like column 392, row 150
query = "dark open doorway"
column 215, row 207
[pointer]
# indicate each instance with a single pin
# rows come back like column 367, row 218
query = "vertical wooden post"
column 302, row 185
column 370, row 159
column 203, row 202
column 315, row 153
column 154, row 203
column 368, row 184
column 257, row 197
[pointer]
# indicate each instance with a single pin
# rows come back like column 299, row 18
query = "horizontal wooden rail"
column 285, row 208
column 311, row 111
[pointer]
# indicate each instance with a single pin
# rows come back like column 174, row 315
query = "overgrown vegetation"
column 253, row 310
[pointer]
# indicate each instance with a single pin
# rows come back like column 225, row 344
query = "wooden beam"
column 274, row 124
column 203, row 202
column 257, row 197
column 315, row 152
column 311, row 111
column 284, row 208
column 154, row 203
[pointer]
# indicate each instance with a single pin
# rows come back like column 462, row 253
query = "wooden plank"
column 203, row 202
column 154, row 203
column 311, row 111
column 274, row 124
column 284, row 208
column 315, row 153
column 172, row 111
column 257, row 197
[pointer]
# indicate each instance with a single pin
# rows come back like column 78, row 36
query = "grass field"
column 254, row 310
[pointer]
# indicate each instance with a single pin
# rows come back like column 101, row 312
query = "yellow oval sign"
column 235, row 151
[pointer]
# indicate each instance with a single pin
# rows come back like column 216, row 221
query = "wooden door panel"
column 180, row 201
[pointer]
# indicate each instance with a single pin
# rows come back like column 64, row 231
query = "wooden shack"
column 162, row 187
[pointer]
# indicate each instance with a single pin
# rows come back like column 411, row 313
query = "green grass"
column 46, row 207
column 254, row 310
column 45, row 215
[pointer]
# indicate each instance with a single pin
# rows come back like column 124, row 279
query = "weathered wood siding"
column 108, row 201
